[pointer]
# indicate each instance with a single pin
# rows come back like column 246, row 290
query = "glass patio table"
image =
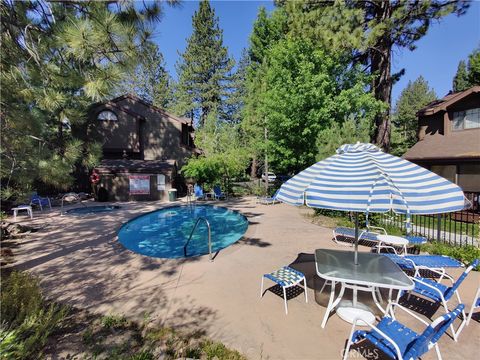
column 374, row 271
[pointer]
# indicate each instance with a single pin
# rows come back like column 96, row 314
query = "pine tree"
column 238, row 91
column 58, row 58
column 148, row 78
column 461, row 81
column 474, row 68
column 370, row 30
column 203, row 69
column 415, row 96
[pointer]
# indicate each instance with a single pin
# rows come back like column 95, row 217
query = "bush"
column 27, row 320
column 465, row 254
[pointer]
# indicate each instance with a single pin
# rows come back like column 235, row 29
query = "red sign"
column 139, row 184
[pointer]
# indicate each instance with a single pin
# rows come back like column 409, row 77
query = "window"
column 186, row 139
column 107, row 115
column 468, row 119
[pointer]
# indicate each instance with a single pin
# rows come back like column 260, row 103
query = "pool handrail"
column 209, row 238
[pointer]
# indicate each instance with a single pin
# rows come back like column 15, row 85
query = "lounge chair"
column 399, row 342
column 267, row 200
column 425, row 262
column 217, row 193
column 198, row 192
column 440, row 293
column 286, row 277
column 475, row 305
column 371, row 234
column 35, row 199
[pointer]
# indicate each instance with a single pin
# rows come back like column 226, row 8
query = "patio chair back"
column 198, row 191
column 432, row 334
column 217, row 190
column 451, row 290
column 35, row 199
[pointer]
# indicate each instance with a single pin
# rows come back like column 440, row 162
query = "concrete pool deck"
column 80, row 263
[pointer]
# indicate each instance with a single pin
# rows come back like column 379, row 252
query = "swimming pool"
column 92, row 209
column 163, row 233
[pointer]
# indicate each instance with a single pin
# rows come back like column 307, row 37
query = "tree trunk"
column 380, row 62
column 253, row 170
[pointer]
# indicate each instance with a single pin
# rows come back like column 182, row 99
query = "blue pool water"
column 163, row 233
column 92, row 209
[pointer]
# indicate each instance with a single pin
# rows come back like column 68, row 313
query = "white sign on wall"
column 139, row 184
column 160, row 182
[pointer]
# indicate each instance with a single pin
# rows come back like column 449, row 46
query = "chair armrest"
column 380, row 246
column 427, row 285
column 442, row 273
column 385, row 336
column 378, row 228
column 392, row 304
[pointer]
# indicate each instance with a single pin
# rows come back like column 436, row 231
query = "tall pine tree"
column 371, row 30
column 58, row 58
column 204, row 68
column 415, row 96
column 148, row 78
column 460, row 81
column 468, row 73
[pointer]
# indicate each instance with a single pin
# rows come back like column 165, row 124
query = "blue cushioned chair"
column 217, row 192
column 440, row 293
column 286, row 277
column 399, row 342
column 35, row 199
column 198, row 192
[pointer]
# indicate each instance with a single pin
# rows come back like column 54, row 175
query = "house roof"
column 151, row 106
column 461, row 144
column 109, row 166
column 442, row 104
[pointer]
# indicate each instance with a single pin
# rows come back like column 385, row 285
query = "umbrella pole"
column 356, row 239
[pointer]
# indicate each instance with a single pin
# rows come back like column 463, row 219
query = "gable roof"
column 442, row 104
column 152, row 107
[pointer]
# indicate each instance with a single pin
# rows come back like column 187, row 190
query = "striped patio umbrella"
column 362, row 178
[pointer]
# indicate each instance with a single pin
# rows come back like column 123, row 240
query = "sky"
column 436, row 58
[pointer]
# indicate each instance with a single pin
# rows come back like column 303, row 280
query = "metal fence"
column 457, row 228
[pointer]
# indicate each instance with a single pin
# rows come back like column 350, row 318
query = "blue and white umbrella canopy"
column 362, row 178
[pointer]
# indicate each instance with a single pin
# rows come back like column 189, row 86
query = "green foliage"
column 310, row 90
column 148, row 78
column 461, row 81
column 369, row 30
column 27, row 320
column 465, row 254
column 216, row 350
column 58, row 58
column 114, row 322
column 468, row 73
column 474, row 67
column 415, row 96
column 203, row 70
column 224, row 155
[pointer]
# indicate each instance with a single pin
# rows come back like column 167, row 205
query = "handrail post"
column 209, row 238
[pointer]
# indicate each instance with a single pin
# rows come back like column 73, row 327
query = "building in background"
column 449, row 139
column 143, row 148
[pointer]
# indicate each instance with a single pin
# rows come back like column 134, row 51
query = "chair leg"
column 305, row 289
column 349, row 343
column 437, row 350
column 285, row 300
column 261, row 289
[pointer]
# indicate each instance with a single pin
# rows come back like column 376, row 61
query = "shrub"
column 114, row 322
column 27, row 320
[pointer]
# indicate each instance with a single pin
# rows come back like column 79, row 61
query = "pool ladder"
column 209, row 237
